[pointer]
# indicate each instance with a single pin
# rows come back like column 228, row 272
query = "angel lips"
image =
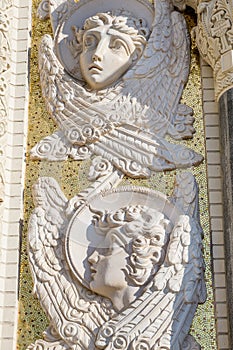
column 94, row 68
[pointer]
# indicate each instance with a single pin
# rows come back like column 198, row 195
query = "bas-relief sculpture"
column 126, row 277
column 117, row 268
column 113, row 81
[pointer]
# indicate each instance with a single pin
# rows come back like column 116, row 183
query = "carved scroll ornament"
column 127, row 277
column 214, row 38
column 112, row 81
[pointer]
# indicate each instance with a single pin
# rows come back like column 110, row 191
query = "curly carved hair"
column 122, row 21
column 143, row 233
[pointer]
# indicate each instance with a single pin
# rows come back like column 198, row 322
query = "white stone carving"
column 214, row 37
column 120, row 269
column 112, row 82
column 117, row 268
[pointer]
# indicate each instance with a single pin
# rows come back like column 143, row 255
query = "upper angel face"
column 107, row 54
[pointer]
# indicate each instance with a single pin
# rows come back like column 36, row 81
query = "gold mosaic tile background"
column 71, row 177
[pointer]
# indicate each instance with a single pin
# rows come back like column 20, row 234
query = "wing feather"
column 71, row 309
column 158, row 78
column 69, row 104
column 136, row 153
column 162, row 316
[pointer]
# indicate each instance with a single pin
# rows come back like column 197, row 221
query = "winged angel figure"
column 113, row 81
column 126, row 278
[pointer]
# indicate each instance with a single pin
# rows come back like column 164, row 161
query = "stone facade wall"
column 13, row 179
column 213, row 157
column 12, row 160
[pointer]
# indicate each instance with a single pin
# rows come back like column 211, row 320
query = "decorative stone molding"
column 151, row 242
column 214, row 38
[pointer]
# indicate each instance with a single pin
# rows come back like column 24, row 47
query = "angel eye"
column 90, row 41
column 119, row 46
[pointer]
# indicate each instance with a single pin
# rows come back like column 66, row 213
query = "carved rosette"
column 214, row 38
column 43, row 10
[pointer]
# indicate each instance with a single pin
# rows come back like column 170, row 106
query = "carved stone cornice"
column 214, row 38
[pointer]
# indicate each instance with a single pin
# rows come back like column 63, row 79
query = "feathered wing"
column 162, row 316
column 148, row 98
column 73, row 109
column 83, row 116
column 74, row 312
column 185, row 196
column 127, row 123
column 138, row 153
column 158, row 78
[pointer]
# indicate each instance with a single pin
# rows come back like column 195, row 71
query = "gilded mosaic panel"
column 72, row 175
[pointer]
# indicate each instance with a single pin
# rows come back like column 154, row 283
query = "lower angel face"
column 106, row 56
column 107, row 271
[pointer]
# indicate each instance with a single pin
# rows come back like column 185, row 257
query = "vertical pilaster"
column 226, row 130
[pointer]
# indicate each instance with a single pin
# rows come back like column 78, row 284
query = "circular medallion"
column 81, row 236
column 64, row 36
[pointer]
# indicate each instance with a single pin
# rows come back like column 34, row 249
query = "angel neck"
column 121, row 299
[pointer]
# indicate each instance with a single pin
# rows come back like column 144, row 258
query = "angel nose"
column 93, row 258
column 98, row 55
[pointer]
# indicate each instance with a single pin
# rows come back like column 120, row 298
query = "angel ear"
column 137, row 54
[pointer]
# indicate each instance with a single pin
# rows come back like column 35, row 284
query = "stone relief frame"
column 21, row 4
column 42, row 78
